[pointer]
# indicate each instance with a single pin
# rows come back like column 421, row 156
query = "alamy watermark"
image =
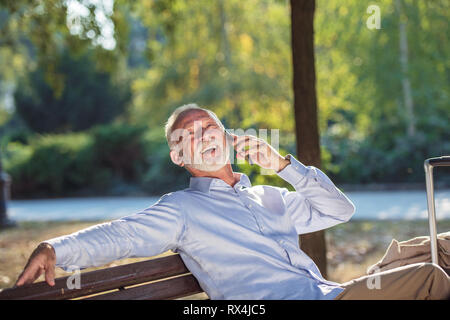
column 374, row 279
column 374, row 20
column 74, row 280
column 215, row 146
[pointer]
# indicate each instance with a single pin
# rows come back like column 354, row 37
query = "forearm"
column 94, row 246
column 319, row 191
column 148, row 233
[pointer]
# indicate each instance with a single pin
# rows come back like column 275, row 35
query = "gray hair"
column 184, row 108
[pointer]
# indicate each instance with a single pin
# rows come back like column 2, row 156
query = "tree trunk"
column 305, row 110
column 406, row 85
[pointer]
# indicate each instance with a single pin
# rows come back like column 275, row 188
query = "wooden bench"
column 156, row 279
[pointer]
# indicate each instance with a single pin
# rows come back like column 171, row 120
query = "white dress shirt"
column 239, row 242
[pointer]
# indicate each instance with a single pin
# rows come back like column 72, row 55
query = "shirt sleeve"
column 144, row 234
column 316, row 203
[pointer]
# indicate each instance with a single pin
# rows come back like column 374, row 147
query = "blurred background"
column 87, row 85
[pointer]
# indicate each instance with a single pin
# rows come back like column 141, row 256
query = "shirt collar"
column 205, row 184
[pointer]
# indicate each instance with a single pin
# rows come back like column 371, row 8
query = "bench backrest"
column 161, row 278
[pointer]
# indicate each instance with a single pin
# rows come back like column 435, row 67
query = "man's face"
column 202, row 143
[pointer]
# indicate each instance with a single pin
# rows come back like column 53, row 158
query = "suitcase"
column 429, row 164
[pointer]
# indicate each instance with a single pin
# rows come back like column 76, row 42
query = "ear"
column 176, row 158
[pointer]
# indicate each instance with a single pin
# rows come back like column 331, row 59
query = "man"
column 239, row 241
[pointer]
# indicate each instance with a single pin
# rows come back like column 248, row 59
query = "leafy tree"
column 232, row 56
column 37, row 30
column 363, row 115
column 88, row 97
column 235, row 57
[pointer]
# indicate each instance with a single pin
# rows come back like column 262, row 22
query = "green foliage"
column 88, row 97
column 50, row 164
column 19, row 134
column 163, row 175
column 363, row 116
column 120, row 148
column 367, row 162
column 15, row 157
column 35, row 31
column 231, row 56
column 64, row 164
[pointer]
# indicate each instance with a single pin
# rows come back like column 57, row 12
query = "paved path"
column 369, row 205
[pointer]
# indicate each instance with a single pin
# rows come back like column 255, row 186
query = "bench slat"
column 167, row 289
column 101, row 280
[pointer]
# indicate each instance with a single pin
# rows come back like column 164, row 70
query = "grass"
column 351, row 247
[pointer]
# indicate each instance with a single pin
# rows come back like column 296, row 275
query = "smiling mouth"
column 209, row 149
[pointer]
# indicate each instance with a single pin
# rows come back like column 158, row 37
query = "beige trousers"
column 419, row 281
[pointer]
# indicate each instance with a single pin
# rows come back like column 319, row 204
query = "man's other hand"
column 42, row 260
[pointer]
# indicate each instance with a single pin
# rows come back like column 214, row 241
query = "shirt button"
column 249, row 205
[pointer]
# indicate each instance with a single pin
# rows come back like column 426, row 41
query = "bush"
column 15, row 157
column 83, row 98
column 91, row 162
column 162, row 175
column 121, row 149
column 50, row 165
column 369, row 161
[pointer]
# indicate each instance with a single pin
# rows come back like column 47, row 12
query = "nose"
column 207, row 135
column 211, row 135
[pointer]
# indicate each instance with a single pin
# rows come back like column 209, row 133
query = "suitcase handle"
column 429, row 164
column 439, row 161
